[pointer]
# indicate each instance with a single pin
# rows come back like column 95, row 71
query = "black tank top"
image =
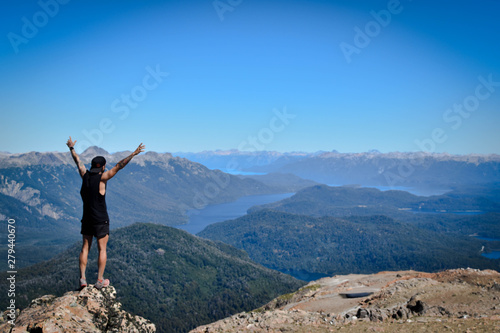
column 94, row 203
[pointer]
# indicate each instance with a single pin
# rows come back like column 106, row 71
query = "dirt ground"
column 460, row 300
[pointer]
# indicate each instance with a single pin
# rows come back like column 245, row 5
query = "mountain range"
column 41, row 192
column 240, row 161
column 418, row 169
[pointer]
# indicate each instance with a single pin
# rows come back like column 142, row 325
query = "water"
column 237, row 172
column 463, row 212
column 492, row 254
column 419, row 191
column 488, row 239
column 424, row 191
column 200, row 218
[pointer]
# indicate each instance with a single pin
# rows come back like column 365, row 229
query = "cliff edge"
column 89, row 310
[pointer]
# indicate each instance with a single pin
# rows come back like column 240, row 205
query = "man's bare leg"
column 101, row 263
column 87, row 243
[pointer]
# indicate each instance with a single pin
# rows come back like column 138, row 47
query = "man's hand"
column 107, row 175
column 79, row 164
column 139, row 150
column 70, row 143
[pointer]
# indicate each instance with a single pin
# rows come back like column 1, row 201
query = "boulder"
column 89, row 311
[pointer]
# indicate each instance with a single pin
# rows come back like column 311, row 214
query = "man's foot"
column 83, row 283
column 101, row 284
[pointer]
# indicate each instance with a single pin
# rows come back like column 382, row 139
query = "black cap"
column 97, row 163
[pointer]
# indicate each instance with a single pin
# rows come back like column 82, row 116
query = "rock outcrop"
column 89, row 310
column 460, row 299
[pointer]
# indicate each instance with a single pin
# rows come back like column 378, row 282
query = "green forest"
column 177, row 280
column 353, row 244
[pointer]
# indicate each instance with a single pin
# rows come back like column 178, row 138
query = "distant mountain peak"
column 374, row 151
column 94, row 151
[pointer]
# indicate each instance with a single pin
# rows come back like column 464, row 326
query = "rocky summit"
column 89, row 311
column 460, row 300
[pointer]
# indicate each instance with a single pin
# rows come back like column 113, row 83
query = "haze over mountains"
column 370, row 168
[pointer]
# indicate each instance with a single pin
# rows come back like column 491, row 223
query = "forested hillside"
column 464, row 211
column 354, row 244
column 177, row 280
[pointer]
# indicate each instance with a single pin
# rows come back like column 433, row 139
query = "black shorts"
column 98, row 230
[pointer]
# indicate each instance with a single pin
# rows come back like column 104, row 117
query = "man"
column 95, row 220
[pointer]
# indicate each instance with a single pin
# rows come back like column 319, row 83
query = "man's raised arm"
column 81, row 167
column 107, row 175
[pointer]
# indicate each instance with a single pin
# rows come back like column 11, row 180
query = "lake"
column 492, row 254
column 461, row 212
column 419, row 191
column 200, row 218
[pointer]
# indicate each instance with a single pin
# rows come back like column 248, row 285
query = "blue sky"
column 251, row 74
